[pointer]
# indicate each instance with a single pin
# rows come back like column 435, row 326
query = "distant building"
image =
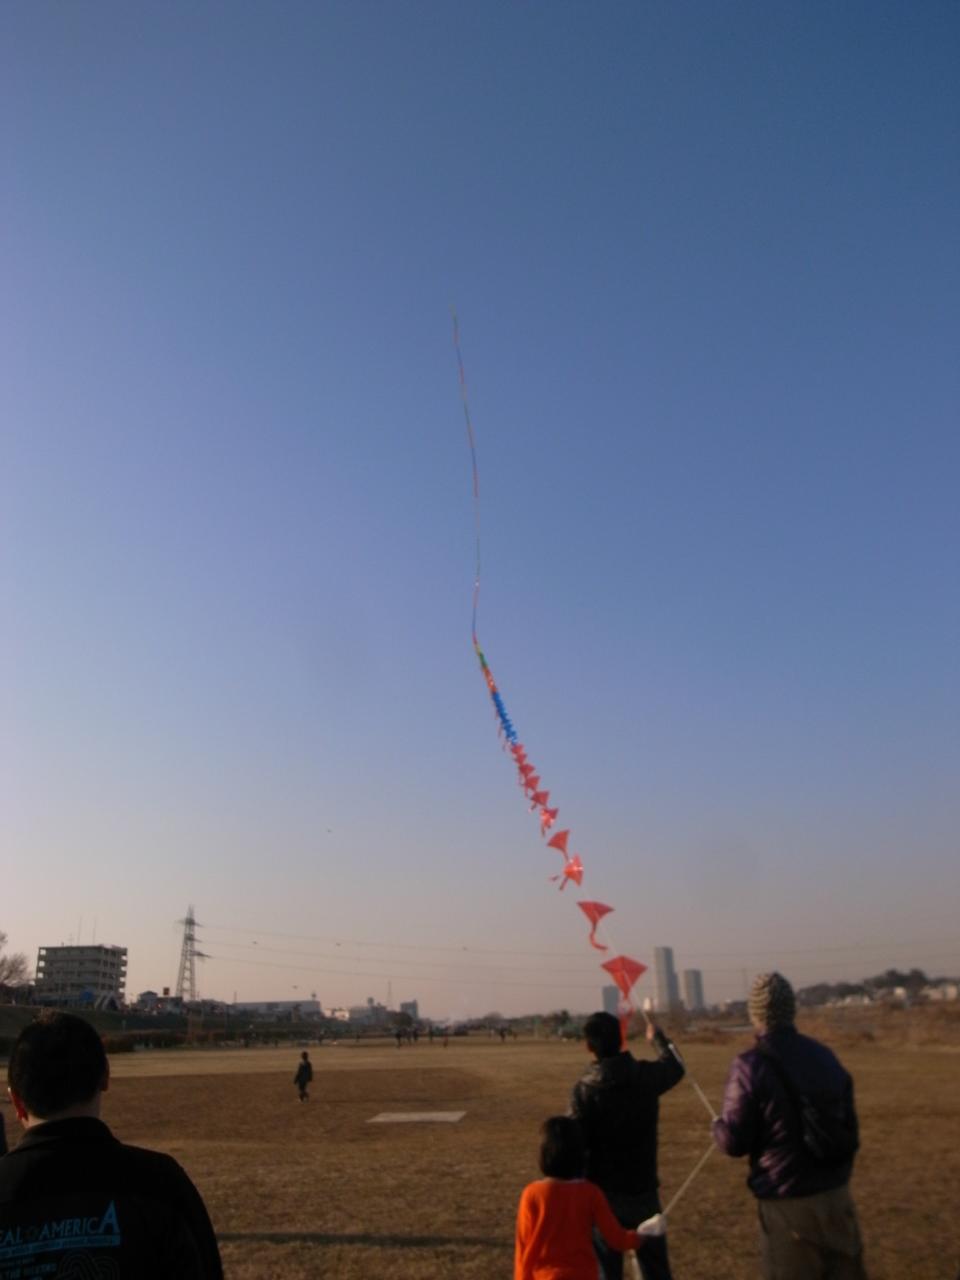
column 611, row 999
column 941, row 991
column 412, row 1008
column 81, row 976
column 693, row 990
column 279, row 1008
column 665, row 976
column 371, row 1014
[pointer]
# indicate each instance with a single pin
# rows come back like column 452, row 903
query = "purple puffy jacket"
column 759, row 1119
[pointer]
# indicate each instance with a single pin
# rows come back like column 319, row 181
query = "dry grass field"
column 315, row 1190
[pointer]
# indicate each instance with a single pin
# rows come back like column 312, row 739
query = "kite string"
column 630, row 1259
column 471, row 440
column 690, row 1177
column 505, row 723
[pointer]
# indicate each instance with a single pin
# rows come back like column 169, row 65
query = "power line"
column 553, row 978
column 558, row 972
column 883, row 945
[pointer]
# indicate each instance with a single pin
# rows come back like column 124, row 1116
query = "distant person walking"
column 74, row 1200
column 304, row 1076
column 557, row 1216
column 789, row 1107
column 617, row 1103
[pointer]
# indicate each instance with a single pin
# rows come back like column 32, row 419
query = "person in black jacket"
column 73, row 1199
column 617, row 1104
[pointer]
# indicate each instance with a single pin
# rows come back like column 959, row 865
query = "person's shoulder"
column 751, row 1057
column 629, row 1066
column 155, row 1166
column 809, row 1044
column 56, row 1141
column 749, row 1064
column 533, row 1192
column 589, row 1079
column 816, row 1051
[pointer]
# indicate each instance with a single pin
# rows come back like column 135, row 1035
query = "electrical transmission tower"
column 189, row 955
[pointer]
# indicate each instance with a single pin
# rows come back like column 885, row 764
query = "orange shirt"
column 554, row 1230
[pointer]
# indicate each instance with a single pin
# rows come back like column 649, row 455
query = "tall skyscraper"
column 668, row 992
column 611, row 999
column 693, row 990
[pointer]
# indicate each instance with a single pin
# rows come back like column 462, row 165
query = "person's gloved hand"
column 655, row 1226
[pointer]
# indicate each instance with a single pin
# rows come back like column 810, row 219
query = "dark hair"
column 603, row 1035
column 56, row 1062
column 561, row 1148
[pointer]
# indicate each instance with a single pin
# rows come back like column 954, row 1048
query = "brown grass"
column 297, row 1192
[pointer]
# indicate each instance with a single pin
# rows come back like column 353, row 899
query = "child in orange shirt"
column 557, row 1215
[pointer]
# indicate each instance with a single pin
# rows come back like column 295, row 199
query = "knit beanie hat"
column 772, row 1002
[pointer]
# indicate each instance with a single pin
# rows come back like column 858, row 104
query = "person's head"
column 561, row 1148
column 305, row 1056
column 772, row 1003
column 603, row 1035
column 57, row 1066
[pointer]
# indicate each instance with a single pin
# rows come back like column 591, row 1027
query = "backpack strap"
column 780, row 1071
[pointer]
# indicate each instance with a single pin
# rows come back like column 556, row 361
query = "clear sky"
column 706, row 264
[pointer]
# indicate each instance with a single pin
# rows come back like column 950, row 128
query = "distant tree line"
column 913, row 981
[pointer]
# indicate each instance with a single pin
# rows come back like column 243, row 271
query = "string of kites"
column 624, row 970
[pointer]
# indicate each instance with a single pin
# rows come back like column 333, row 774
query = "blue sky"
column 707, row 273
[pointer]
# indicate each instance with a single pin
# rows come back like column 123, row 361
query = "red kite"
column 547, row 818
column 572, row 870
column 594, row 911
column 624, row 972
column 559, row 841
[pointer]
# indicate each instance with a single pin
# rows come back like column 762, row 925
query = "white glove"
column 655, row 1226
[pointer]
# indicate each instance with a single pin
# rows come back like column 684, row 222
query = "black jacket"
column 617, row 1104
column 72, row 1196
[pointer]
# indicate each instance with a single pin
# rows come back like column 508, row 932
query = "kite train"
column 624, row 970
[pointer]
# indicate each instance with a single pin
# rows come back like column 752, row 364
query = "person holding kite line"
column 789, row 1106
column 558, row 1214
column 617, row 1103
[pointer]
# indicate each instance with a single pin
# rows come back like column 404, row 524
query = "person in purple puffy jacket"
column 808, row 1223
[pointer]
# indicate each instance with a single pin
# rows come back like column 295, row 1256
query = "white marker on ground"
column 417, row 1117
